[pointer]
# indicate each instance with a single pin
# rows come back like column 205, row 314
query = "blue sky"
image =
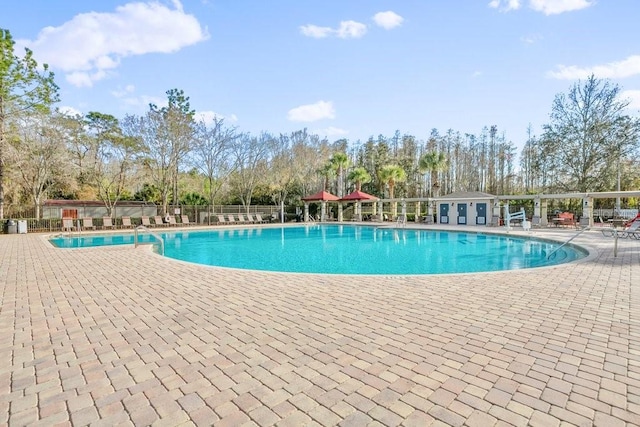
column 340, row 68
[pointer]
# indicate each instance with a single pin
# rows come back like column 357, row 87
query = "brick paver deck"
column 122, row 336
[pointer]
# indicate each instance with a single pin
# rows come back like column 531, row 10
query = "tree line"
column 169, row 157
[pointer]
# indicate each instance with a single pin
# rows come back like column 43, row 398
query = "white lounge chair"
column 107, row 222
column 158, row 221
column 87, row 223
column 126, row 222
column 632, row 231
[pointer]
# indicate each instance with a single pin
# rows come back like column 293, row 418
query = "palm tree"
column 327, row 172
column 392, row 174
column 433, row 162
column 360, row 176
column 340, row 162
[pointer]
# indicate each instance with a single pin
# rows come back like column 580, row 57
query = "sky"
column 349, row 69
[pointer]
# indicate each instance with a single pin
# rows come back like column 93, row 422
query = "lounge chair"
column 221, row 219
column 87, row 223
column 185, row 219
column 107, row 222
column 67, row 224
column 633, row 231
column 158, row 221
column 126, row 222
column 172, row 220
column 241, row 219
column 259, row 219
column 145, row 221
column 231, row 219
column 251, row 219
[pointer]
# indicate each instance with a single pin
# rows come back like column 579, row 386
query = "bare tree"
column 250, row 155
column 211, row 154
column 38, row 153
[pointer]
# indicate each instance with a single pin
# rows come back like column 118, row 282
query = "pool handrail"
column 142, row 227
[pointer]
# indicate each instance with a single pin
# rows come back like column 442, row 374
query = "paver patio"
column 122, row 336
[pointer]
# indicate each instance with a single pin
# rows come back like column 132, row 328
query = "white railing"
column 143, row 228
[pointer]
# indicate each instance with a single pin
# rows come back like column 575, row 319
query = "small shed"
column 96, row 209
column 465, row 208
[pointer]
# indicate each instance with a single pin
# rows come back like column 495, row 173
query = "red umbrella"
column 321, row 196
column 358, row 195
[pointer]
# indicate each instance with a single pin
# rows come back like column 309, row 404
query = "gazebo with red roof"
column 323, row 197
column 358, row 196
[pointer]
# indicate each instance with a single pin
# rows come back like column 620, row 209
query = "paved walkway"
column 121, row 336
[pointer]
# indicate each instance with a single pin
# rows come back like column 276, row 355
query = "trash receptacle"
column 22, row 226
column 10, row 227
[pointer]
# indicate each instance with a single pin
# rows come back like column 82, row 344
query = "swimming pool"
column 348, row 249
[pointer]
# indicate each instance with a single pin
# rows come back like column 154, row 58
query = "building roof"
column 466, row 195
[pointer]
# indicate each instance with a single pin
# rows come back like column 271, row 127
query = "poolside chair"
column 259, row 219
column 126, row 222
column 107, row 222
column 633, row 231
column 158, row 222
column 241, row 219
column 251, row 219
column 185, row 220
column 171, row 220
column 145, row 221
column 231, row 219
column 67, row 224
column 87, row 223
column 221, row 219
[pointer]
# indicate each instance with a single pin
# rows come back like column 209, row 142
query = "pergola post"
column 339, row 211
column 587, row 212
column 306, row 212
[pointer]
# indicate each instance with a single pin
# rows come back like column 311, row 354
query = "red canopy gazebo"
column 323, row 197
column 357, row 197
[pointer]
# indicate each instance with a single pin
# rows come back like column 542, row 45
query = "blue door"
column 462, row 213
column 444, row 213
column 481, row 213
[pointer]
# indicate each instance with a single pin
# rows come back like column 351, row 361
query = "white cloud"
column 634, row 98
column 351, row 29
column 316, row 32
column 554, row 7
column 531, row 38
column 312, row 112
column 91, row 45
column 548, row 7
column 505, row 5
column 347, row 30
column 388, row 19
column 69, row 111
column 143, row 101
column 613, row 70
column 123, row 92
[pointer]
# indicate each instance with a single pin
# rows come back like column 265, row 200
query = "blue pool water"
column 348, row 249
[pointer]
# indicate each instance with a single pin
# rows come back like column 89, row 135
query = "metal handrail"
column 142, row 227
column 570, row 239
